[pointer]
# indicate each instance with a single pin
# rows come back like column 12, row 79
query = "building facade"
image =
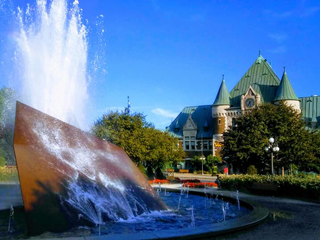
column 200, row 128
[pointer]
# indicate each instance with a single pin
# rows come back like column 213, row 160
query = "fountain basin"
column 256, row 215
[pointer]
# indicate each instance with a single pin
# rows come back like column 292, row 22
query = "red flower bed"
column 157, row 181
column 188, row 180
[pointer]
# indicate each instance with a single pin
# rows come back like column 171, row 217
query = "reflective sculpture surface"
column 70, row 178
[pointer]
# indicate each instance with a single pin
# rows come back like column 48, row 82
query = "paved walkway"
column 202, row 178
column 288, row 219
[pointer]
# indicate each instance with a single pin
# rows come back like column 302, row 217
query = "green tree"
column 139, row 139
column 212, row 162
column 244, row 143
column 196, row 163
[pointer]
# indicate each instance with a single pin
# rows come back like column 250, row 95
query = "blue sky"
column 168, row 54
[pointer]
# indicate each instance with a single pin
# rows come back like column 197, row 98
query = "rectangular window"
column 210, row 145
column 205, row 145
column 193, row 137
column 233, row 122
column 199, row 145
column 186, row 137
column 193, row 145
column 187, row 145
column 219, row 121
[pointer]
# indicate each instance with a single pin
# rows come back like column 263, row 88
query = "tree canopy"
column 139, row 139
column 246, row 140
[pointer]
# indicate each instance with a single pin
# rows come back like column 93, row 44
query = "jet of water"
column 238, row 200
column 11, row 215
column 52, row 58
column 179, row 202
column 193, row 222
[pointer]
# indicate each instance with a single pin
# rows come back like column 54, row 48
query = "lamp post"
column 202, row 158
column 273, row 147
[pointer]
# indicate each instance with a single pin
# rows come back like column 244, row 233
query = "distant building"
column 200, row 128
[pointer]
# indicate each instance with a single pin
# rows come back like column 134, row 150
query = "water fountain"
column 68, row 177
column 51, row 59
column 70, row 172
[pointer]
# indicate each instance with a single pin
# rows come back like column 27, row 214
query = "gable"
column 190, row 125
column 202, row 118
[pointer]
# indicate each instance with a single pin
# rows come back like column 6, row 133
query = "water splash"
column 95, row 203
column 225, row 208
column 99, row 205
column 179, row 202
column 52, row 57
column 193, row 223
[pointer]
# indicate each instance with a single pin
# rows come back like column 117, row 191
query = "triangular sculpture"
column 70, row 178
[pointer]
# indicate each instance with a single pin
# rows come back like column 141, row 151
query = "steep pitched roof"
column 223, row 96
column 285, row 90
column 201, row 116
column 261, row 78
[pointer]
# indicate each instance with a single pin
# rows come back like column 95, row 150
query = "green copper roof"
column 261, row 78
column 201, row 116
column 223, row 96
column 285, row 90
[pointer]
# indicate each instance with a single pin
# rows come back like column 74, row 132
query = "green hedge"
column 305, row 187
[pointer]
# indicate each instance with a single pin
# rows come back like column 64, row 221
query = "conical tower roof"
column 223, row 96
column 261, row 78
column 285, row 90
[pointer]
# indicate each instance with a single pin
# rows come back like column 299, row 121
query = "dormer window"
column 205, row 126
column 177, row 127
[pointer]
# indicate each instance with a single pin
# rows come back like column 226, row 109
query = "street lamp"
column 202, row 158
column 273, row 147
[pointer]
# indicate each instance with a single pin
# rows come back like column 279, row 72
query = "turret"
column 285, row 93
column 219, row 114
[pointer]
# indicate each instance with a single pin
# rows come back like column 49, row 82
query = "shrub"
column 252, row 170
column 308, row 187
column 214, row 170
